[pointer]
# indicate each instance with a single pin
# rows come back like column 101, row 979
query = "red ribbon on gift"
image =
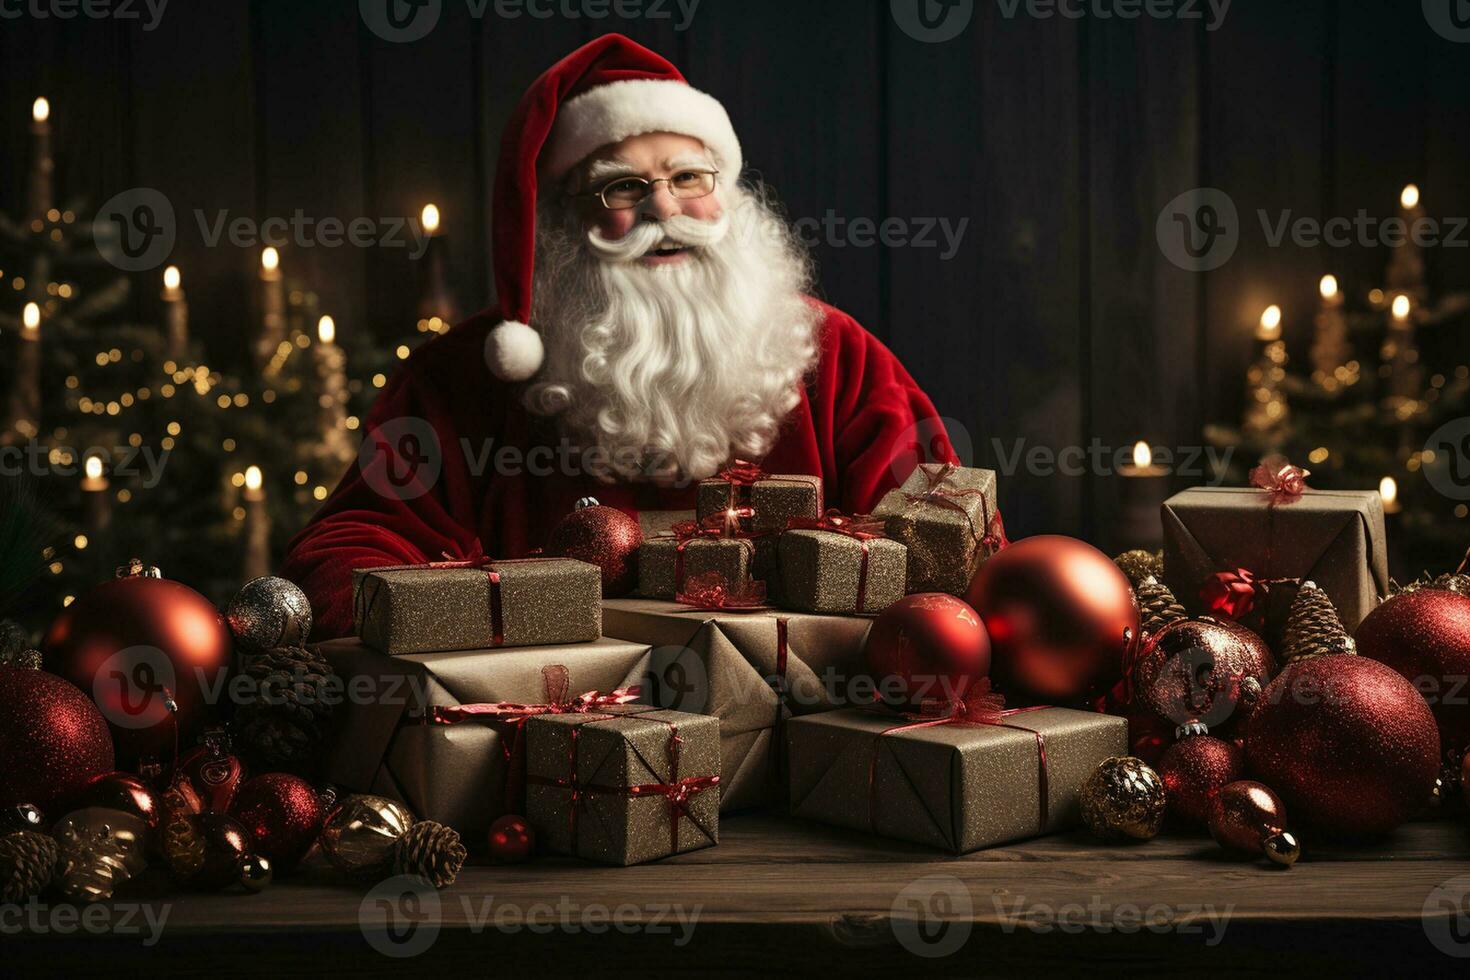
column 678, row 792
column 978, row 706
column 740, row 478
column 514, row 715
column 713, row 526
column 1237, row 593
column 935, row 475
column 862, row 528
column 711, row 590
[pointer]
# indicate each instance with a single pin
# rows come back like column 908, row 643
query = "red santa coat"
column 862, row 425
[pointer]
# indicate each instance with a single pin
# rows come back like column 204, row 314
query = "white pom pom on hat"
column 602, row 93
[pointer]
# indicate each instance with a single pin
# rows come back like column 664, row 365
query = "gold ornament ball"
column 1123, row 799
column 98, row 849
column 359, row 836
column 255, row 873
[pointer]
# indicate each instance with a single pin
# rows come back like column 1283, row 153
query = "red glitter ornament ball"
column 283, row 815
column 1246, row 817
column 927, row 648
column 511, row 840
column 131, row 643
column 601, row 536
column 1425, row 636
column 1196, row 670
column 1349, row 744
column 1061, row 616
column 53, row 741
column 1193, row 770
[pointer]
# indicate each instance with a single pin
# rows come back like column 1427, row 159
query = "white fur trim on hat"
column 513, row 351
column 613, row 112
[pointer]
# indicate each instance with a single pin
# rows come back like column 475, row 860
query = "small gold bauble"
column 255, row 873
column 1122, row 799
column 360, row 835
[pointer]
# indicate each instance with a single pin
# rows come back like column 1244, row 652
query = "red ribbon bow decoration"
column 743, row 473
column 1280, row 478
column 992, row 536
column 711, row 590
column 1231, row 594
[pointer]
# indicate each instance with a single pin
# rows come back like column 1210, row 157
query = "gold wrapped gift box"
column 946, row 515
column 766, row 505
column 823, row 572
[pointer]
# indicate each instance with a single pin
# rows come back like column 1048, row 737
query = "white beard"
column 669, row 371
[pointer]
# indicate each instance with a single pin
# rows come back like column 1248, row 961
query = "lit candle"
column 436, row 299
column 257, row 559
column 175, row 315
column 1269, row 327
column 42, row 166
column 24, row 409
column 272, row 307
column 98, row 501
column 331, row 367
column 1265, row 398
column 1401, row 354
column 1145, row 487
column 1330, row 348
column 1406, row 264
column 1388, row 489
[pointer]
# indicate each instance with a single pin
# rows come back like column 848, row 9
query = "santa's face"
column 677, row 330
column 665, row 159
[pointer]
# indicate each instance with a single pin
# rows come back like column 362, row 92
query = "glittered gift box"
column 829, row 571
column 947, row 517
column 751, row 669
column 959, row 787
column 416, row 728
column 758, row 502
column 667, row 564
column 625, row 785
column 443, row 606
column 1252, row 546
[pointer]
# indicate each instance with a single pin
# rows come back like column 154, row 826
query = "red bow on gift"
column 558, row 681
column 1231, row 594
column 1280, row 478
column 979, row 705
column 710, row 590
column 743, row 473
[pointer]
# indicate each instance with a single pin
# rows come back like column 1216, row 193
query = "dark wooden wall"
column 1058, row 322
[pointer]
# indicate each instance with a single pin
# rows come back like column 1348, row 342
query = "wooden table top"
column 784, row 897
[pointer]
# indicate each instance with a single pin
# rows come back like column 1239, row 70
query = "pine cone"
column 431, row 851
column 1140, row 565
column 284, row 728
column 1156, row 605
column 1452, row 582
column 27, row 862
column 1313, row 628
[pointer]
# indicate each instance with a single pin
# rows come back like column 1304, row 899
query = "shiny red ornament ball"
column 1248, row 818
column 1061, row 616
column 132, row 642
column 1425, row 636
column 1197, row 669
column 1193, row 770
column 1349, row 744
column 511, row 840
column 53, row 741
column 927, row 648
column 207, row 850
column 605, row 537
column 283, row 815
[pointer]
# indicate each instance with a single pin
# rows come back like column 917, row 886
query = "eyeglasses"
column 622, row 193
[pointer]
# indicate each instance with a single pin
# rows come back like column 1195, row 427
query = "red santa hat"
column 602, row 93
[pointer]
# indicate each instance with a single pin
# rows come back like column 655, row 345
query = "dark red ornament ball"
column 1248, row 818
column 53, row 741
column 1061, row 616
column 122, row 791
column 511, row 840
column 283, row 815
column 1193, row 770
column 125, row 643
column 605, row 537
column 927, row 648
column 1425, row 636
column 1195, row 669
column 1349, row 744
column 215, row 774
column 207, row 850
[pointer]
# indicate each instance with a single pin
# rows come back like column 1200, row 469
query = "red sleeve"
column 882, row 423
column 403, row 502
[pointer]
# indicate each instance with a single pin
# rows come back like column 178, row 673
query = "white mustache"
column 646, row 236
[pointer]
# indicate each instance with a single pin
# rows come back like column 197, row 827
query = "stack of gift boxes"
column 736, row 681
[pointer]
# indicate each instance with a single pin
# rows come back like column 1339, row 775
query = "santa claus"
column 653, row 324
